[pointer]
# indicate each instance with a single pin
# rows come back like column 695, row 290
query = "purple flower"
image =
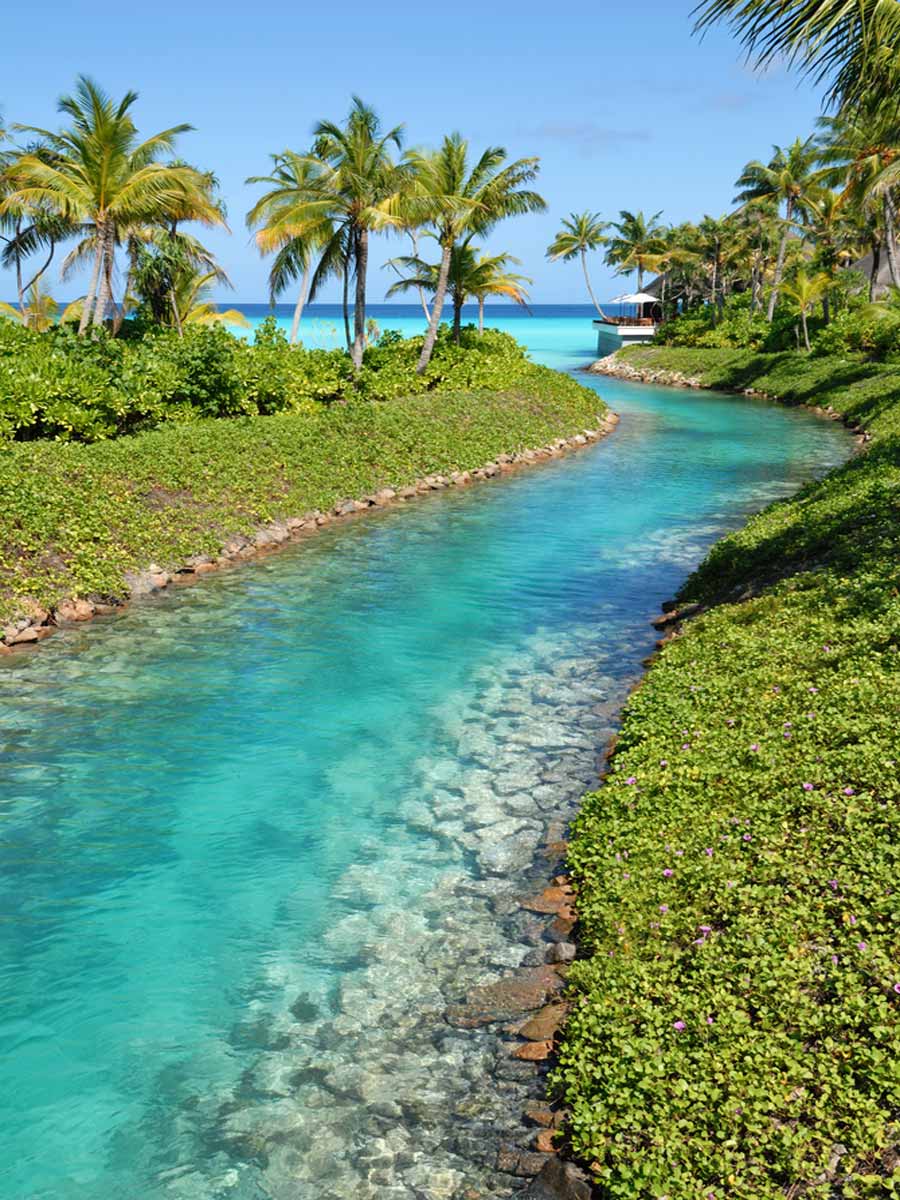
column 668, row 872
column 709, row 1021
column 848, row 791
column 786, row 735
column 852, row 920
column 730, row 883
column 862, row 945
column 686, row 746
column 664, row 908
column 811, row 715
column 755, row 747
column 776, row 688
column 813, row 690
column 663, row 762
column 834, row 959
column 708, row 851
column 631, row 779
column 897, row 988
column 705, row 928
column 625, row 875
column 748, row 837
column 808, row 787
column 679, row 853
column 679, row 1025
column 789, row 724
column 833, row 884
column 729, row 721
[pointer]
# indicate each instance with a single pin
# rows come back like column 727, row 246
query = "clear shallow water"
column 258, row 834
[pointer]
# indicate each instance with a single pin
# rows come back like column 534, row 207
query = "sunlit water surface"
column 259, row 833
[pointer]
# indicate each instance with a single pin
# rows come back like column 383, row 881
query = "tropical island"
column 402, row 932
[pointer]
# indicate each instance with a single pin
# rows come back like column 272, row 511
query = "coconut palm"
column 806, row 291
column 854, row 44
column 355, row 180
column 789, row 177
column 38, row 312
column 638, row 239
column 579, row 234
column 460, row 199
column 97, row 173
column 292, row 220
column 472, row 274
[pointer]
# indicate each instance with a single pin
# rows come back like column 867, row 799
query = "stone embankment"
column 621, row 369
column 38, row 623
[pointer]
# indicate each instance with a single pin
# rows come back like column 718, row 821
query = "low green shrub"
column 736, row 1025
column 58, row 385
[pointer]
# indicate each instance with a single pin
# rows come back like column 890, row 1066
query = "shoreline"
column 30, row 629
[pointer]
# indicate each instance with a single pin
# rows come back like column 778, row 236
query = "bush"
column 58, row 385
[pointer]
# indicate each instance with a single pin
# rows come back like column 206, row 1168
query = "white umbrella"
column 635, row 298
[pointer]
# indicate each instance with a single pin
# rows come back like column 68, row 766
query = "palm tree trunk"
column 876, row 267
column 587, row 280
column 301, row 301
column 779, row 261
column 437, row 306
column 359, row 309
column 345, row 303
column 104, row 291
column 173, row 300
column 20, row 287
column 457, row 316
column 805, row 330
column 88, row 303
column 421, row 291
column 890, row 238
column 481, row 316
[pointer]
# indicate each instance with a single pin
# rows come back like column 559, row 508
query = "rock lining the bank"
column 36, row 623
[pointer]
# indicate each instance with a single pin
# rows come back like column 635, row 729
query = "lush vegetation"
column 58, row 385
column 74, row 518
column 736, row 1026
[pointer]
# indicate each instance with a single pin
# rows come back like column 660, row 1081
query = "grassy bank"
column 737, row 1025
column 74, row 518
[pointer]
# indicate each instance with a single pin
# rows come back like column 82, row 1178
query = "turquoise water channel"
column 259, row 833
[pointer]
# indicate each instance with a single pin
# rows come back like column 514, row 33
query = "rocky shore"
column 35, row 624
column 620, row 368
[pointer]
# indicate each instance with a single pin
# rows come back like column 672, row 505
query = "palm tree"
column 855, row 45
column 637, row 241
column 39, row 312
column 356, row 180
column 97, row 173
column 460, row 200
column 292, row 220
column 580, row 233
column 789, row 177
column 806, row 291
column 471, row 274
column 857, row 151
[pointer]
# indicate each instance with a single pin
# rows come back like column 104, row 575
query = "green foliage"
column 735, row 326
column 736, row 1028
column 57, row 385
column 74, row 518
column 872, row 330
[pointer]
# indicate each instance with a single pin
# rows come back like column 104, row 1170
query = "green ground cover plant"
column 736, row 1021
column 74, row 517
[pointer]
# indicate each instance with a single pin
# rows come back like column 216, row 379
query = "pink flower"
column 808, row 787
column 813, row 690
column 708, row 851
column 897, row 988
column 748, row 837
column 664, row 908
column 686, row 745
column 679, row 1025
column 848, row 791
column 631, row 779
column 663, row 762
column 862, row 945
column 668, row 872
column 709, row 1021
column 755, row 747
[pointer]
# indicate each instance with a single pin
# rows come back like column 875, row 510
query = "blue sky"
column 624, row 106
